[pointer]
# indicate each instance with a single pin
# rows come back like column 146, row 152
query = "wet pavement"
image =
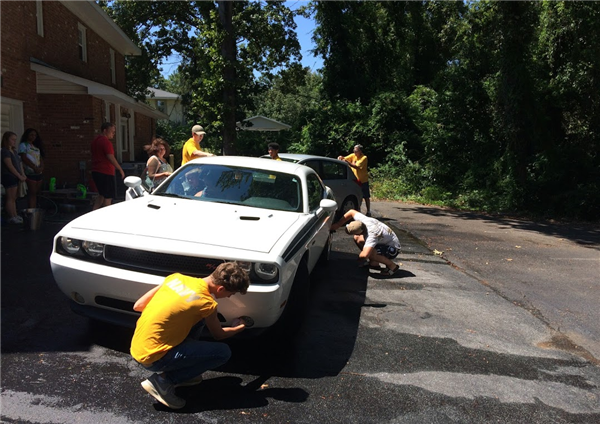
column 445, row 340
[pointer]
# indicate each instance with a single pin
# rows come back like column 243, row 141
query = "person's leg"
column 99, row 202
column 11, row 201
column 32, row 187
column 367, row 196
column 107, row 202
column 190, row 359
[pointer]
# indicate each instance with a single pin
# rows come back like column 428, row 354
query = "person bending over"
column 377, row 242
column 171, row 313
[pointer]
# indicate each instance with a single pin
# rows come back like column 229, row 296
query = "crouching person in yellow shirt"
column 169, row 312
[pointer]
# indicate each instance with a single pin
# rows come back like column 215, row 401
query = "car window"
column 315, row 165
column 235, row 185
column 315, row 192
column 334, row 171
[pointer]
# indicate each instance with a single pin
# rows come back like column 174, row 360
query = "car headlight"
column 71, row 246
column 95, row 250
column 266, row 271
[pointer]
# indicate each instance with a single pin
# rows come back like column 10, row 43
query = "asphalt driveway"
column 443, row 341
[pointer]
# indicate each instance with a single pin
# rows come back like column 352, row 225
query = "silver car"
column 336, row 174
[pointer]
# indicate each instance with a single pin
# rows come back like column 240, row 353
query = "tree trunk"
column 228, row 50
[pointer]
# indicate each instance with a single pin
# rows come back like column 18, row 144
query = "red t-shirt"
column 101, row 146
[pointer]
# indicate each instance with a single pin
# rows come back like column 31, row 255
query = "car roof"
column 254, row 163
column 300, row 157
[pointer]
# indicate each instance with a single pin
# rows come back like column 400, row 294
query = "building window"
column 82, row 42
column 39, row 17
column 160, row 105
column 113, row 68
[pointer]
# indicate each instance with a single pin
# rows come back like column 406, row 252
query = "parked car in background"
column 272, row 217
column 336, row 174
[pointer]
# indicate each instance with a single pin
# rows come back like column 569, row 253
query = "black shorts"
column 34, row 177
column 9, row 180
column 389, row 252
column 105, row 184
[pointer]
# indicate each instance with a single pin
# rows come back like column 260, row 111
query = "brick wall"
column 66, row 123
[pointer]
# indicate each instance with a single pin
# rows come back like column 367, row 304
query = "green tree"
column 224, row 46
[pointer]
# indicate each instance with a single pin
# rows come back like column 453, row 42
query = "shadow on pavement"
column 585, row 234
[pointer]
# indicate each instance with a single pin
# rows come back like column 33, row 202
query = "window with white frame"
column 39, row 17
column 82, row 42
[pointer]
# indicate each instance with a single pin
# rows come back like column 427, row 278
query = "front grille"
column 160, row 263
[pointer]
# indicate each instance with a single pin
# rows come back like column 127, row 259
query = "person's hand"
column 238, row 321
column 22, row 177
column 341, row 158
column 122, row 174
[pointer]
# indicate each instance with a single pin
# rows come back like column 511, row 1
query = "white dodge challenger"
column 271, row 217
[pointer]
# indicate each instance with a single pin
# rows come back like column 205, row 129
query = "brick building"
column 63, row 74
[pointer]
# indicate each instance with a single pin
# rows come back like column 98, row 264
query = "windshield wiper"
column 170, row 195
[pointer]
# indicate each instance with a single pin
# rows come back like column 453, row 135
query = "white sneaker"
column 15, row 220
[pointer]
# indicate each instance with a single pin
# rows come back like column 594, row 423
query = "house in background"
column 262, row 123
column 167, row 103
column 63, row 74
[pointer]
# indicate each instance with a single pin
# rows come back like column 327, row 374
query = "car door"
column 316, row 192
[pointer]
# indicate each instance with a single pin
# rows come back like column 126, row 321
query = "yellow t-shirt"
column 361, row 173
column 179, row 304
column 188, row 148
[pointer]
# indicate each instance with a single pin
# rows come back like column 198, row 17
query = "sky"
column 304, row 31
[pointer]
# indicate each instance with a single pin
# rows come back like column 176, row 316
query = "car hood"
column 146, row 222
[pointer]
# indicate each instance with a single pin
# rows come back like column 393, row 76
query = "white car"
column 336, row 174
column 272, row 217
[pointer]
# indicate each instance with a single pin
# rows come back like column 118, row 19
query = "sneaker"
column 163, row 392
column 15, row 220
column 368, row 213
column 389, row 272
column 193, row 382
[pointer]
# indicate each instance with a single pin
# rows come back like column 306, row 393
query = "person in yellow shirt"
column 358, row 162
column 191, row 148
column 274, row 151
column 171, row 312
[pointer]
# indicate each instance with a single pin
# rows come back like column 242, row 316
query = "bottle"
column 52, row 185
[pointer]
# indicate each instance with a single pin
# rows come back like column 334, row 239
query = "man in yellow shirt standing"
column 358, row 162
column 170, row 313
column 191, row 148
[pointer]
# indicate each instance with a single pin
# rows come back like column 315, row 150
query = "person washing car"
column 377, row 242
column 358, row 162
column 191, row 148
column 171, row 314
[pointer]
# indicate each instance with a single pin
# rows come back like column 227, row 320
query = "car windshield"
column 235, row 185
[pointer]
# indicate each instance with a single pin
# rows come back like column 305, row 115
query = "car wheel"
column 295, row 310
column 324, row 258
column 349, row 202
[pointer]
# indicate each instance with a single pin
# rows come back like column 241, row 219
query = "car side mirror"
column 328, row 205
column 132, row 181
column 134, row 187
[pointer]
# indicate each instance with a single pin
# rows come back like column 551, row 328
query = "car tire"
column 349, row 202
column 297, row 305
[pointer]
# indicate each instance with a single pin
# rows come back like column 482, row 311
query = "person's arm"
column 201, row 154
column 360, row 164
column 143, row 301
column 111, row 158
column 153, row 166
column 8, row 164
column 29, row 163
column 218, row 332
column 347, row 217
